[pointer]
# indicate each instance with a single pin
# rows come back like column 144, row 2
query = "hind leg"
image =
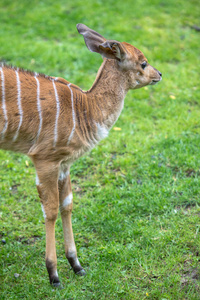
column 66, row 204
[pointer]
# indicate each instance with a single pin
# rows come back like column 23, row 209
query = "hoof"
column 56, row 284
column 81, row 273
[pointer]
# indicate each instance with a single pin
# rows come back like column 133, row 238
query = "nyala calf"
column 54, row 122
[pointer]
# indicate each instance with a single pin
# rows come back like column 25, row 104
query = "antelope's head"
column 130, row 60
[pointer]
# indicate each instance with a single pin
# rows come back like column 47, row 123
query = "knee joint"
column 67, row 208
column 50, row 213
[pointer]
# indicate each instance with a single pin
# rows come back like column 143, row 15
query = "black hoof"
column 56, row 284
column 81, row 273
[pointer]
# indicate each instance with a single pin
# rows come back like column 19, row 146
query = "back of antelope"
column 54, row 122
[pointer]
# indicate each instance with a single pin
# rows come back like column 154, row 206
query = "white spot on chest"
column 102, row 131
column 37, row 181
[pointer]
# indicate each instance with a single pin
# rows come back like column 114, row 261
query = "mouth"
column 153, row 82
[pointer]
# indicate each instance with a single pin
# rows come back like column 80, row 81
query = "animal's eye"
column 143, row 65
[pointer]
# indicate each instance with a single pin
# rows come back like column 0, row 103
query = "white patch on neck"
column 111, row 119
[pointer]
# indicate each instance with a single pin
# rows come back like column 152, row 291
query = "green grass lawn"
column 136, row 214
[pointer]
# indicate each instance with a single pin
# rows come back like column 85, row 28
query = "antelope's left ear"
column 113, row 49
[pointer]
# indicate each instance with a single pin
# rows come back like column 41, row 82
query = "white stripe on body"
column 57, row 114
column 3, row 103
column 19, row 105
column 73, row 115
column 38, row 106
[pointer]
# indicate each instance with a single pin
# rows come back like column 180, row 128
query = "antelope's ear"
column 97, row 43
column 113, row 49
column 92, row 38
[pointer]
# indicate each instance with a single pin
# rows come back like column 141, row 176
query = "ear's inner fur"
column 92, row 38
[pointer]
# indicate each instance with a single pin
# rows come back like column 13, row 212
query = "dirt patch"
column 28, row 241
column 14, row 188
column 192, row 173
column 190, row 276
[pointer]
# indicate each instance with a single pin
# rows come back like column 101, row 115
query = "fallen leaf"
column 117, row 128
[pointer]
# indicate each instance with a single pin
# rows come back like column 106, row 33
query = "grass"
column 136, row 195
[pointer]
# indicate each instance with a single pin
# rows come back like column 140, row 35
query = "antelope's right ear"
column 92, row 38
column 97, row 43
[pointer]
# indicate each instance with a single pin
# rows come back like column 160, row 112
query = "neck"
column 107, row 93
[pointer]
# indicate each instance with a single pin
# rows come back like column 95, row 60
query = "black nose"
column 160, row 74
